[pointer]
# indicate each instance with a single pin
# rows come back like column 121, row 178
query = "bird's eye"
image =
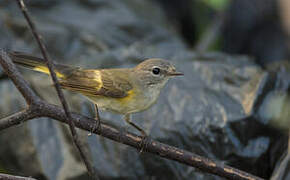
column 156, row 71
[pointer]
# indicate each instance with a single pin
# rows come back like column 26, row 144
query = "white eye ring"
column 156, row 70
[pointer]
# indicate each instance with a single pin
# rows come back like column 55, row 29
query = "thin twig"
column 11, row 177
column 50, row 66
column 43, row 109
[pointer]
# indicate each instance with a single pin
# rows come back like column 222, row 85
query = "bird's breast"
column 137, row 100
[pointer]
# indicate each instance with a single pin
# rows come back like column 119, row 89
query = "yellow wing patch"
column 98, row 78
column 128, row 98
column 44, row 69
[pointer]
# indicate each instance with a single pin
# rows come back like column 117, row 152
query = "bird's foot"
column 96, row 126
column 145, row 140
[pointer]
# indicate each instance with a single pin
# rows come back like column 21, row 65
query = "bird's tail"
column 38, row 64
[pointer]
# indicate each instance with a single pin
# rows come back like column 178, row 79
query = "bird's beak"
column 175, row 73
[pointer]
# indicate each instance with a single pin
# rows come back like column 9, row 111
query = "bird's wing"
column 89, row 82
column 107, row 83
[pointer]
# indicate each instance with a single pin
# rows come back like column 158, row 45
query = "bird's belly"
column 126, row 105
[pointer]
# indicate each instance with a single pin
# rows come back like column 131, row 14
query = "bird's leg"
column 97, row 124
column 144, row 141
column 97, row 117
column 127, row 118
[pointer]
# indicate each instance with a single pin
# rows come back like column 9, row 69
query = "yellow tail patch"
column 45, row 70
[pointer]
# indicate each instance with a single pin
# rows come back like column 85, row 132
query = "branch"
column 10, row 177
column 18, row 118
column 154, row 147
column 50, row 66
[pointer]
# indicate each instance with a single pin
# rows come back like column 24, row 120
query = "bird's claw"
column 145, row 139
column 96, row 126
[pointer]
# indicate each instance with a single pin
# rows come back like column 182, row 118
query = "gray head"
column 155, row 72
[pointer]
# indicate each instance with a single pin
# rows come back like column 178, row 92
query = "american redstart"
column 124, row 90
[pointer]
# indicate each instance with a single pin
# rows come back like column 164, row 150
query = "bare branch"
column 50, row 66
column 11, row 177
column 154, row 147
column 17, row 118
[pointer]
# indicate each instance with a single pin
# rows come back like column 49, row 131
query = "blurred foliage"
column 216, row 45
column 2, row 170
column 218, row 5
column 203, row 16
column 204, row 13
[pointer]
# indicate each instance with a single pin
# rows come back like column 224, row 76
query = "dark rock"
column 282, row 169
column 253, row 28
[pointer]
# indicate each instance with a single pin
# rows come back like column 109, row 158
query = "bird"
column 123, row 91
